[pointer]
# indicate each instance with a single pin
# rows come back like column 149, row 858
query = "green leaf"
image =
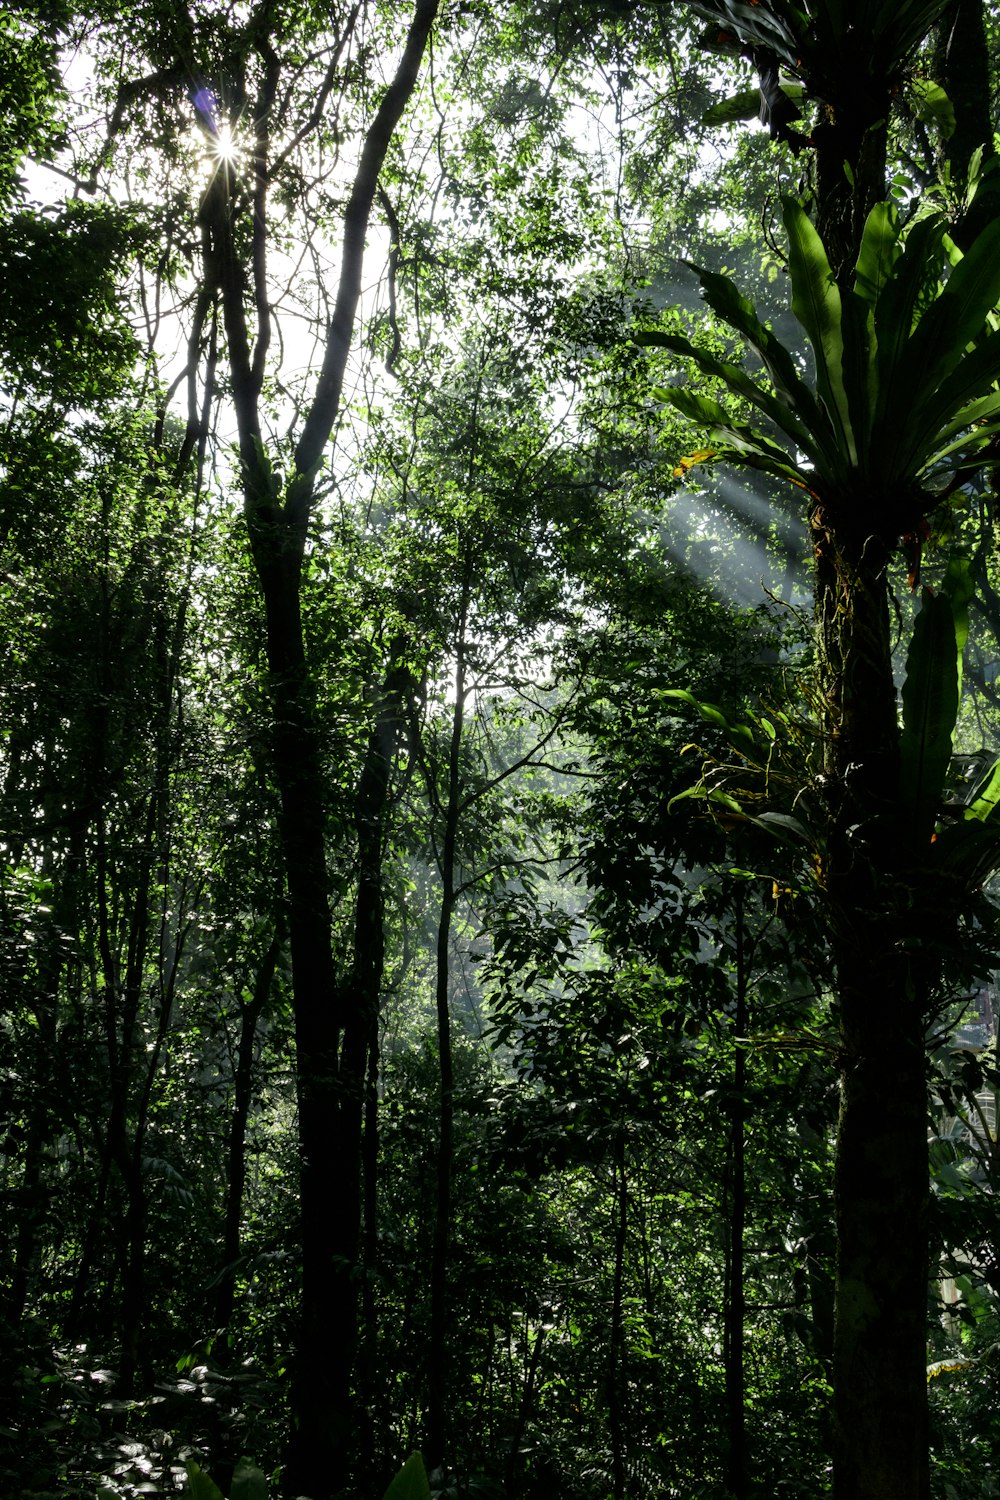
column 248, row 1482
column 932, row 105
column 742, row 106
column 950, row 324
column 711, row 714
column 411, row 1482
column 741, row 384
column 816, row 303
column 200, row 1487
column 959, row 586
column 702, row 793
column 879, row 252
column 988, row 799
column 728, row 302
column 930, row 710
column 895, row 315
column 972, row 379
column 784, row 827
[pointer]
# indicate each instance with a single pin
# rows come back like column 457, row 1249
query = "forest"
column 499, row 749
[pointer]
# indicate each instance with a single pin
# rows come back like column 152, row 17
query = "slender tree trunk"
column 880, row 1331
column 437, row 1365
column 332, row 1031
column 370, row 821
column 616, row 1340
column 737, row 1477
column 236, row 1146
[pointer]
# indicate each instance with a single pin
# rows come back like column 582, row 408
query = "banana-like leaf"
column 987, row 800
column 742, row 106
column 899, row 26
column 746, row 105
column 974, row 377
column 938, row 442
column 880, row 251
column 741, row 384
column 730, row 440
column 962, row 453
column 946, row 329
column 759, row 25
column 930, row 710
column 816, row 303
column 727, row 301
column 860, row 375
column 896, row 312
column 968, row 852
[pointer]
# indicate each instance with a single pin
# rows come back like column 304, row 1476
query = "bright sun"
column 225, row 148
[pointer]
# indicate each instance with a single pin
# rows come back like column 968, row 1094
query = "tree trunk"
column 962, row 66
column 850, row 165
column 880, row 1388
column 370, row 820
column 332, row 1032
column 236, row 1147
column 880, row 1329
column 737, row 1478
column 328, row 1107
column 617, row 1384
column 437, row 1365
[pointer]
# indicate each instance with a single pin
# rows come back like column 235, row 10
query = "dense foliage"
column 497, row 953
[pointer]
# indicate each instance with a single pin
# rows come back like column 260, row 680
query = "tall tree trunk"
column 371, row 811
column 437, row 1364
column 880, row 1388
column 850, row 163
column 617, row 1385
column 236, row 1146
column 737, row 1478
column 332, row 1030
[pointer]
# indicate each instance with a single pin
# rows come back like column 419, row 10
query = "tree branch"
column 326, row 402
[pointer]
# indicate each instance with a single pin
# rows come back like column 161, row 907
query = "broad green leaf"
column 896, row 310
column 816, row 303
column 742, row 106
column 860, row 375
column 411, row 1482
column 968, row 851
column 959, row 586
column 784, row 827
column 200, row 1486
column 932, row 105
column 930, row 710
column 988, row 799
column 725, row 299
column 880, row 250
column 741, row 384
column 746, row 105
column 701, row 410
column 949, row 325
